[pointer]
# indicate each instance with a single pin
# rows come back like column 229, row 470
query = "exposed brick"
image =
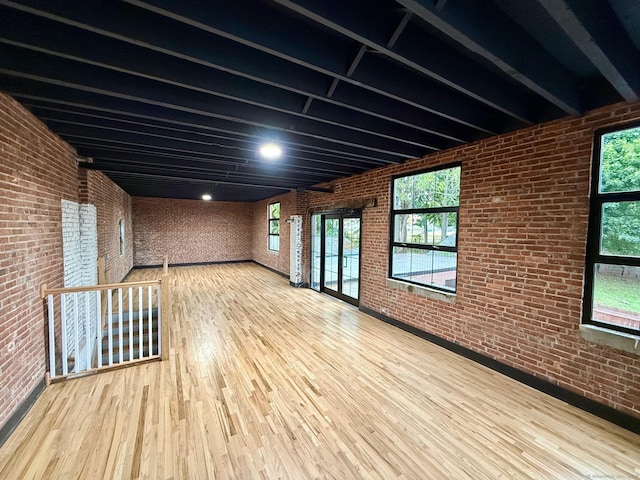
column 523, row 227
column 191, row 231
column 38, row 171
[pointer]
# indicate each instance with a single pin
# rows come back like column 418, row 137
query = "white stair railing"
column 101, row 326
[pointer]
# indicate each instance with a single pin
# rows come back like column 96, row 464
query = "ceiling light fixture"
column 206, row 197
column 270, row 150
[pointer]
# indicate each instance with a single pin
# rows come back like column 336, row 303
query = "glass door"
column 335, row 255
column 350, row 242
column 331, row 254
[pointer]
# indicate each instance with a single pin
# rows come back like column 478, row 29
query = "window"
column 424, row 227
column 274, row 226
column 612, row 279
column 121, row 234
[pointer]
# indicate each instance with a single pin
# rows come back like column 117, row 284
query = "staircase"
column 131, row 338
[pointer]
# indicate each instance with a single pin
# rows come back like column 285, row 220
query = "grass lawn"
column 618, row 292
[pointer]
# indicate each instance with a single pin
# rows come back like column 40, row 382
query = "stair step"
column 125, row 355
column 115, row 329
column 135, row 314
column 125, row 341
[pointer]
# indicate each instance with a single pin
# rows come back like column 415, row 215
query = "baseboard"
column 15, row 419
column 298, row 285
column 285, row 275
column 606, row 412
column 192, row 264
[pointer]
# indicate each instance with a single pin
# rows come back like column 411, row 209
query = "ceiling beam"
column 250, row 147
column 188, row 143
column 105, row 149
column 199, row 105
column 288, row 69
column 439, row 62
column 150, row 65
column 205, row 166
column 597, row 32
column 211, row 180
column 399, row 29
column 485, row 30
column 99, row 106
column 331, row 122
column 317, row 55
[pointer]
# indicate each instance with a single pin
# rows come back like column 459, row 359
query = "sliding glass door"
column 335, row 255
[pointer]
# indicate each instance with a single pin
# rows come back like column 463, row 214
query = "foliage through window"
column 612, row 280
column 274, row 226
column 424, row 227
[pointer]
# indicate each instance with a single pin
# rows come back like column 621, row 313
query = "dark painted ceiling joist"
column 593, row 27
column 171, row 99
column 439, row 62
column 252, row 31
column 98, row 106
column 496, row 38
column 218, row 52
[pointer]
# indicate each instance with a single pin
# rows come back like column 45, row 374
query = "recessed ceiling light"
column 206, row 197
column 270, row 150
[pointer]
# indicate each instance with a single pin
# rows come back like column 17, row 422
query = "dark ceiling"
column 172, row 98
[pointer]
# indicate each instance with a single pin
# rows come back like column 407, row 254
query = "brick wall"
column 523, row 226
column 112, row 205
column 39, row 174
column 79, row 244
column 37, row 171
column 190, row 231
column 289, row 205
column 80, row 255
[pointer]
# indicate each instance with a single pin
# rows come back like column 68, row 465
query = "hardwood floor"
column 265, row 381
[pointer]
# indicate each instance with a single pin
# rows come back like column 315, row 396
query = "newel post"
column 166, row 283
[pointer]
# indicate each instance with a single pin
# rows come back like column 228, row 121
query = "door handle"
column 344, row 261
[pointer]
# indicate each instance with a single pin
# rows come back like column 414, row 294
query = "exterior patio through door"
column 335, row 255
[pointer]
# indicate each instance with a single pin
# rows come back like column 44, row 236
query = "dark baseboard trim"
column 298, row 285
column 193, row 264
column 285, row 275
column 603, row 411
column 15, row 419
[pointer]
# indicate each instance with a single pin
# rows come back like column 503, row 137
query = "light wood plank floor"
column 265, row 381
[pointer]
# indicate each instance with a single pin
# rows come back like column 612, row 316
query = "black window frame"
column 121, row 233
column 273, row 220
column 437, row 248
column 596, row 202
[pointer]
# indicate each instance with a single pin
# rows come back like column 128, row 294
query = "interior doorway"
column 335, row 254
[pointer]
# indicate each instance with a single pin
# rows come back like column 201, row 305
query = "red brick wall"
column 260, row 253
column 190, row 231
column 523, row 226
column 113, row 204
column 37, row 171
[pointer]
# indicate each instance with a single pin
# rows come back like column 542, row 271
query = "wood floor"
column 268, row 382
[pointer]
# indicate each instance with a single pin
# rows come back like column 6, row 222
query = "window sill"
column 421, row 291
column 619, row 340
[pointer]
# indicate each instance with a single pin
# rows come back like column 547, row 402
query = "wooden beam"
column 598, row 33
column 487, row 31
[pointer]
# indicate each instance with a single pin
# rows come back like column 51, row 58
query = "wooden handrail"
column 44, row 291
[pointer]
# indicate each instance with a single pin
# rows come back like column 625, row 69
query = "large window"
column 424, row 227
column 612, row 280
column 274, row 226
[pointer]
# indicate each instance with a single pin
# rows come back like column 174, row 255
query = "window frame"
column 270, row 221
column 437, row 248
column 594, row 230
column 121, row 234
